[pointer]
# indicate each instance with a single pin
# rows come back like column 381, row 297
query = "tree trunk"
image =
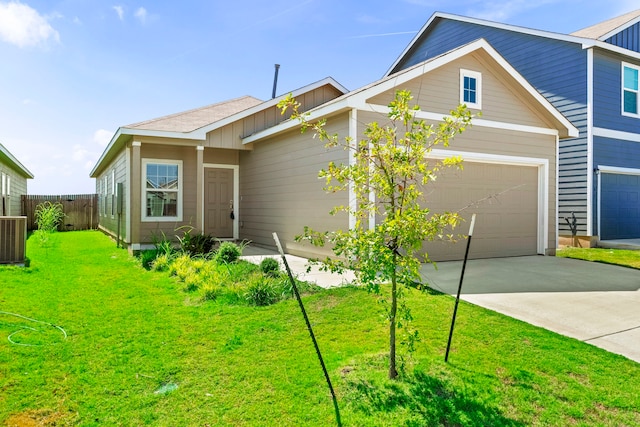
column 393, row 373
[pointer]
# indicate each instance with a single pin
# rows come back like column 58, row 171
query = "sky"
column 73, row 71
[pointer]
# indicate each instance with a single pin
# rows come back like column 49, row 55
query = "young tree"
column 392, row 164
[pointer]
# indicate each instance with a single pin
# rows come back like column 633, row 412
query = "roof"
column 7, row 158
column 188, row 121
column 357, row 98
column 606, row 29
column 195, row 124
column 586, row 42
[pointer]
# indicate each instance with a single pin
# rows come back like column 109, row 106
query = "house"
column 13, row 183
column 591, row 77
column 239, row 170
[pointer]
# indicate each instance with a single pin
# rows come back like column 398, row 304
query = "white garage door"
column 505, row 199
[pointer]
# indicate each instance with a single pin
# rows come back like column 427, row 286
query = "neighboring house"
column 591, row 76
column 13, row 183
column 250, row 172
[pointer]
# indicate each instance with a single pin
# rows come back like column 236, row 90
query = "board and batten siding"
column 628, row 38
column 280, row 190
column 557, row 69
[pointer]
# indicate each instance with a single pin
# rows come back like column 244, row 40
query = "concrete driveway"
column 592, row 302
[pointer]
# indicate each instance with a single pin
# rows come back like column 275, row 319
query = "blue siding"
column 620, row 207
column 615, row 152
column 558, row 69
column 628, row 39
column 617, row 204
column 607, row 95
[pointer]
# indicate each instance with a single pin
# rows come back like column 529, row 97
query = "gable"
column 629, row 38
column 502, row 99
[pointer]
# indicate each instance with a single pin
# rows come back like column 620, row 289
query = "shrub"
column 198, row 244
column 210, row 291
column 270, row 267
column 228, row 253
column 162, row 244
column 191, row 282
column 162, row 262
column 181, row 267
column 147, row 258
column 261, row 291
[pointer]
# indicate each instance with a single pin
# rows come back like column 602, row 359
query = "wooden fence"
column 81, row 210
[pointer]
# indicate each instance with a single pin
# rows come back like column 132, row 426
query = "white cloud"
column 141, row 14
column 120, row 11
column 24, row 26
column 102, row 137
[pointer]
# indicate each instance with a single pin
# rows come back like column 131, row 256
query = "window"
column 105, row 186
column 630, row 90
column 471, row 88
column 162, row 190
column 113, row 193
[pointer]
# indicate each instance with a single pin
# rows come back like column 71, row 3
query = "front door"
column 218, row 202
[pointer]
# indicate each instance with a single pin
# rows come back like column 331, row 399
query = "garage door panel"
column 619, row 206
column 507, row 217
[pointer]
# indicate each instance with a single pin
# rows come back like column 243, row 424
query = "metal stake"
column 455, row 309
column 306, row 319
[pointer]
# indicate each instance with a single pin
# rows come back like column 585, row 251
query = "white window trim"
column 623, row 90
column 113, row 193
column 143, row 185
column 475, row 75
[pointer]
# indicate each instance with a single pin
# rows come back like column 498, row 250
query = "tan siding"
column 154, row 230
column 18, row 188
column 219, row 156
column 439, row 91
column 500, row 142
column 280, row 189
column 108, row 222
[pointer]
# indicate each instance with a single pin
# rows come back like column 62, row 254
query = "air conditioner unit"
column 13, row 239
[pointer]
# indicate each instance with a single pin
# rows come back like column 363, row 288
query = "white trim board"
column 616, row 134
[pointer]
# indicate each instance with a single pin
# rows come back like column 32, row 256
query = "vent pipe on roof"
column 275, row 81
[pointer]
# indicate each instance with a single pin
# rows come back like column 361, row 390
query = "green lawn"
column 622, row 257
column 132, row 331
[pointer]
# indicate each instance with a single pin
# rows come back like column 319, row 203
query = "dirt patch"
column 38, row 418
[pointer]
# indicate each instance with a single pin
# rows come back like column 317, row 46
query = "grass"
column 134, row 335
column 627, row 258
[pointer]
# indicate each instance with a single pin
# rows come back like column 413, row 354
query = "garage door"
column 506, row 225
column 619, row 206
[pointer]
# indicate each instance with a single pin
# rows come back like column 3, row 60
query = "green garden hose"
column 26, row 327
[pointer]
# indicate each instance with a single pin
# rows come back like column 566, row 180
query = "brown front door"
column 218, row 202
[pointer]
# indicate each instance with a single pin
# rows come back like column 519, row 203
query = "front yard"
column 140, row 350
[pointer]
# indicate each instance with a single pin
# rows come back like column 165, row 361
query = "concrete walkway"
column 299, row 267
column 592, row 302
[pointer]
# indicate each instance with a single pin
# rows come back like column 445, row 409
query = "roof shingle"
column 191, row 120
column 605, row 27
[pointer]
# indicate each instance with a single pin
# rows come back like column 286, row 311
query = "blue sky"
column 73, row 71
